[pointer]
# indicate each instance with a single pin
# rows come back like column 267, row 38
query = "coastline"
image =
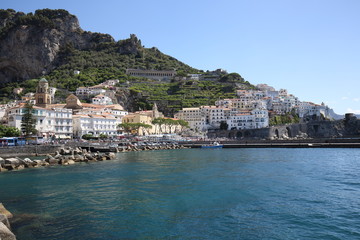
column 293, row 143
column 43, row 150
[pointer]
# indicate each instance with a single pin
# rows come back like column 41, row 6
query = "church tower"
column 155, row 111
column 42, row 95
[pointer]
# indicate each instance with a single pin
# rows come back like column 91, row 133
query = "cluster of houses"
column 73, row 119
column 250, row 110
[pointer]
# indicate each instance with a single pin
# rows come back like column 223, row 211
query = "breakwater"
column 66, row 156
column 299, row 143
column 5, row 228
column 72, row 155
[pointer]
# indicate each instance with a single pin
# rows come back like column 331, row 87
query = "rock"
column 111, row 155
column 13, row 161
column 27, row 162
column 5, row 233
column 53, row 161
column 78, row 158
column 5, row 212
column 70, row 162
column 20, row 167
column 4, row 220
column 39, row 162
column 89, row 156
column 64, row 162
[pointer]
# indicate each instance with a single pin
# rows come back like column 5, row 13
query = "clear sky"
column 310, row 47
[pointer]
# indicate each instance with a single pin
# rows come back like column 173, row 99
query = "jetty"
column 303, row 143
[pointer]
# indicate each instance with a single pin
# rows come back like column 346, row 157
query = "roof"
column 89, row 105
column 115, row 107
column 81, row 116
column 43, row 80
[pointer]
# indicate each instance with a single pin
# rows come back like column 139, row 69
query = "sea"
column 191, row 194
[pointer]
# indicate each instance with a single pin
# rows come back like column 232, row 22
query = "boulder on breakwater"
column 5, row 232
column 66, row 156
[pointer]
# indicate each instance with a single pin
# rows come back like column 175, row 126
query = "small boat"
column 212, row 145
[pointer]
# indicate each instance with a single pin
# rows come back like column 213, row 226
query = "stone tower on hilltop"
column 42, row 95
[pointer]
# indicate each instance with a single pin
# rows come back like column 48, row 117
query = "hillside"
column 51, row 44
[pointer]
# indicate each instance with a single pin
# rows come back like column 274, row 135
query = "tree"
column 126, row 127
column 87, row 136
column 134, row 127
column 103, row 136
column 223, row 125
column 183, row 124
column 6, row 131
column 28, row 121
column 231, row 78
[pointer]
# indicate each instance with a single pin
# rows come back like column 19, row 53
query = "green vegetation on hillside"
column 105, row 59
column 106, row 63
column 177, row 95
column 288, row 118
column 42, row 18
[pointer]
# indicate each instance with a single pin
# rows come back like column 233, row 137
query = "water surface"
column 191, row 194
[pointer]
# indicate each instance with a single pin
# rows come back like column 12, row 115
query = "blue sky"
column 310, row 47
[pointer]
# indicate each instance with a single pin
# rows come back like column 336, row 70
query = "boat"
column 212, row 145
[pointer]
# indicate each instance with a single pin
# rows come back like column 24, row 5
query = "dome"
column 43, row 80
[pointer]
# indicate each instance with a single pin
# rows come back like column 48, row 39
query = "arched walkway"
column 277, row 133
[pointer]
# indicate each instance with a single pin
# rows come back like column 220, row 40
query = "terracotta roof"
column 81, row 116
column 89, row 105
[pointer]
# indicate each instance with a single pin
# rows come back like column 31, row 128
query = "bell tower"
column 42, row 95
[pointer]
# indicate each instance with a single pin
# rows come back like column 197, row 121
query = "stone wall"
column 29, row 150
column 313, row 129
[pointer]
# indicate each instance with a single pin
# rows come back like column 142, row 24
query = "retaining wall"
column 29, row 150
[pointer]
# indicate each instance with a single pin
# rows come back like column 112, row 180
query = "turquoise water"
column 191, row 194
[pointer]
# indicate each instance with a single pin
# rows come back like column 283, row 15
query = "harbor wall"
column 348, row 127
column 28, row 150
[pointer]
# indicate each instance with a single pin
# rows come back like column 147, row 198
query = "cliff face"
column 30, row 44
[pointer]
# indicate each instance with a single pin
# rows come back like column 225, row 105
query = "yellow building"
column 139, row 117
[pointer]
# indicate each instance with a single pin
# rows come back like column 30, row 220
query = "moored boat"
column 212, row 145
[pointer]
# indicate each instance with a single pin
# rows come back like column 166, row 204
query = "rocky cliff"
column 30, row 44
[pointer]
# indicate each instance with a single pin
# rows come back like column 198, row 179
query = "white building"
column 90, row 91
column 95, row 125
column 257, row 118
column 309, row 109
column 50, row 122
column 206, row 117
column 110, row 83
column 101, row 100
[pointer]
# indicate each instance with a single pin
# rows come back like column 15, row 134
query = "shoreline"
column 121, row 146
